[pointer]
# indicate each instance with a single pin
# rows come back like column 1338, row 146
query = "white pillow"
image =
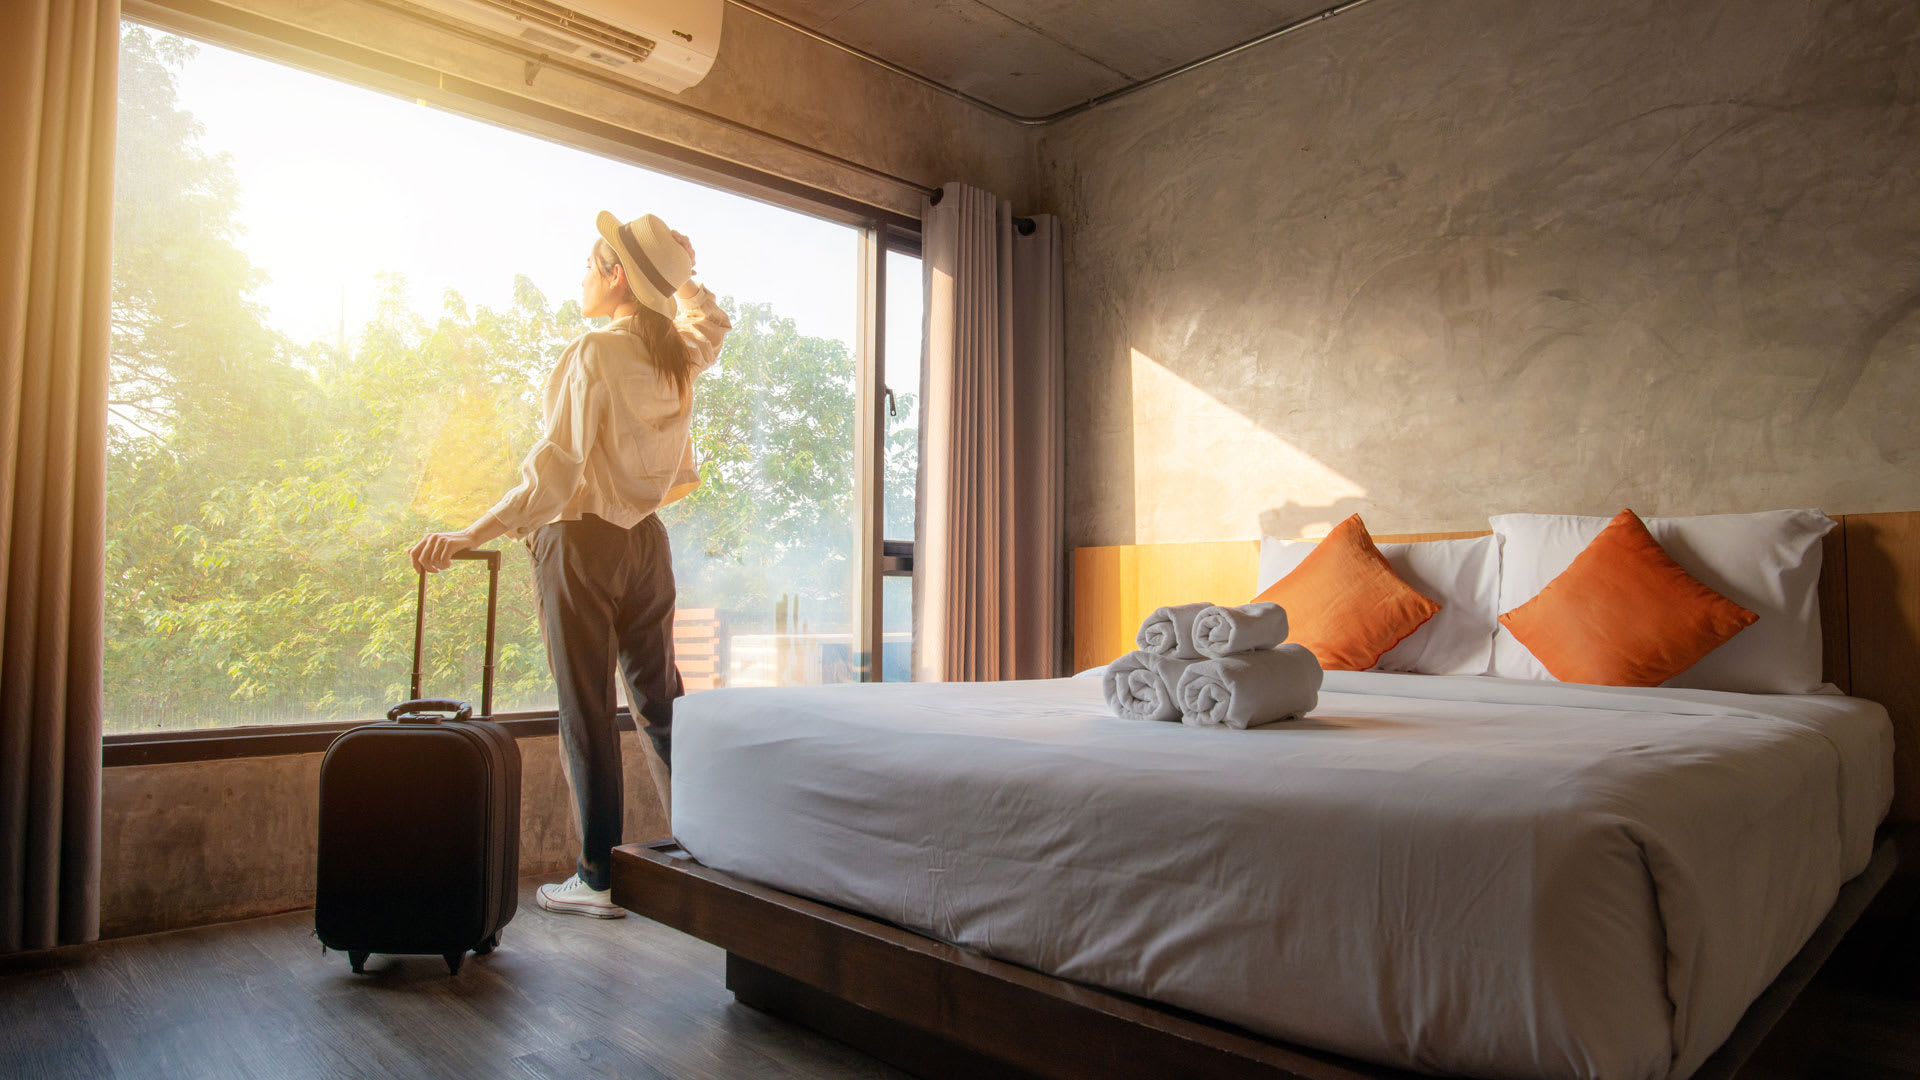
column 1462, row 576
column 1768, row 563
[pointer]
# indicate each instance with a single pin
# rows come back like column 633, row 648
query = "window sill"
column 213, row 744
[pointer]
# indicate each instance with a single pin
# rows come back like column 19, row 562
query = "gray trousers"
column 606, row 593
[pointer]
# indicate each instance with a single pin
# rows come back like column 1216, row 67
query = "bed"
column 1467, row 875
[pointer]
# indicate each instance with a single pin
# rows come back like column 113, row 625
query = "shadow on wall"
column 1296, row 522
column 1201, row 468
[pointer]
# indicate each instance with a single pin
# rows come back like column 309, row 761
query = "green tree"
column 201, row 395
column 188, row 345
column 260, row 496
column 773, row 430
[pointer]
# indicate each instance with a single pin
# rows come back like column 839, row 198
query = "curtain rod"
column 1024, row 224
column 1041, row 120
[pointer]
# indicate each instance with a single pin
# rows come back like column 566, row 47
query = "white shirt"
column 614, row 440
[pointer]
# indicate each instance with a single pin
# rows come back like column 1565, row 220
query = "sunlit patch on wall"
column 1199, row 465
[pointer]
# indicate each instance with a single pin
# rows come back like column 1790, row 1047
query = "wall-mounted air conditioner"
column 665, row 43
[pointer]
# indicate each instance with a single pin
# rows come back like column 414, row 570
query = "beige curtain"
column 57, row 97
column 988, row 578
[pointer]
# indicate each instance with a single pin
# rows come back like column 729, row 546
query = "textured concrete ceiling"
column 1035, row 57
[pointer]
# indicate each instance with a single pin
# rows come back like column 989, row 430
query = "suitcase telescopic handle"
column 428, row 710
column 492, row 559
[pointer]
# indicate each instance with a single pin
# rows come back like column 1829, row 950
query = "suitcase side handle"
column 492, row 558
column 428, row 710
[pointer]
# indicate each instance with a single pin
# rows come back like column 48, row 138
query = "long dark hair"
column 664, row 345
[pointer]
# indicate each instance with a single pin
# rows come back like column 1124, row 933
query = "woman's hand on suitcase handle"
column 435, row 551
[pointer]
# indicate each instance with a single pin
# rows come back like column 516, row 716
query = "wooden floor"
column 564, row 997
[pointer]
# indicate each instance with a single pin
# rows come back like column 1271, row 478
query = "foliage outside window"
column 262, row 490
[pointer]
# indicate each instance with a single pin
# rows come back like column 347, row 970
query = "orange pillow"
column 1623, row 613
column 1345, row 604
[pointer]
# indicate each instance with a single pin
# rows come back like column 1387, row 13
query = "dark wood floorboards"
column 568, row 997
column 563, row 997
column 1860, row 1017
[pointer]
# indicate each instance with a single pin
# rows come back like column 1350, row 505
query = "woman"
column 614, row 450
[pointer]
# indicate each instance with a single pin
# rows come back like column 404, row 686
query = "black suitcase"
column 420, row 823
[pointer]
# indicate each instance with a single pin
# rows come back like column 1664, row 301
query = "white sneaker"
column 572, row 897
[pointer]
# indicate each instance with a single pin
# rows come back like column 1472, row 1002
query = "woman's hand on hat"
column 681, row 239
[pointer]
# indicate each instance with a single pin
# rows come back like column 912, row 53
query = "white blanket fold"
column 1225, row 631
column 1169, row 631
column 1250, row 689
column 1140, row 686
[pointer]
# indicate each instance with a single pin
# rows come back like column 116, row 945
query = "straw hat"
column 655, row 262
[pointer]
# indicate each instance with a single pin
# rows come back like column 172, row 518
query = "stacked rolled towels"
column 1251, row 688
column 1212, row 666
column 1141, row 685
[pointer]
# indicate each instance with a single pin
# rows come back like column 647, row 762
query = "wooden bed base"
column 939, row 1011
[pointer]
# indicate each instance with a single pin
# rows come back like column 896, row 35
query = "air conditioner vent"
column 549, row 41
column 665, row 44
column 632, row 46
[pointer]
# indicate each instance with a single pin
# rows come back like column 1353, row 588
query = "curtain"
column 58, row 90
column 988, row 567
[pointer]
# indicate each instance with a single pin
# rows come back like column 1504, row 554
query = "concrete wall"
column 210, row 841
column 766, row 77
column 1430, row 260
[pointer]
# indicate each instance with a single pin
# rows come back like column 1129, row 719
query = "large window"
column 334, row 314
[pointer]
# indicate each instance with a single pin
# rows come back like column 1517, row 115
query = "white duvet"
column 1462, row 875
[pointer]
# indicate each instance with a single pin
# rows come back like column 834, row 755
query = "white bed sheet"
column 1464, row 875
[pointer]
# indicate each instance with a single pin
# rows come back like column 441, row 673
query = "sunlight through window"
column 334, row 314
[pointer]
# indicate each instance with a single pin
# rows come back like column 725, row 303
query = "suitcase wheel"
column 487, row 946
column 454, row 960
column 358, row 960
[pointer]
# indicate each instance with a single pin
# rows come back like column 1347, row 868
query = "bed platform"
column 933, row 1009
column 940, row 1010
column 943, row 1013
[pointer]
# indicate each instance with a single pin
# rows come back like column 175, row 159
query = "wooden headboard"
column 1869, row 610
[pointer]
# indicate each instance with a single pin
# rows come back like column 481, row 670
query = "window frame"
column 895, row 556
column 269, row 39
column 274, row 740
column 879, row 230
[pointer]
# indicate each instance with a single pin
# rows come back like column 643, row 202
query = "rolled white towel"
column 1169, row 631
column 1140, row 686
column 1250, row 689
column 1226, row 631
